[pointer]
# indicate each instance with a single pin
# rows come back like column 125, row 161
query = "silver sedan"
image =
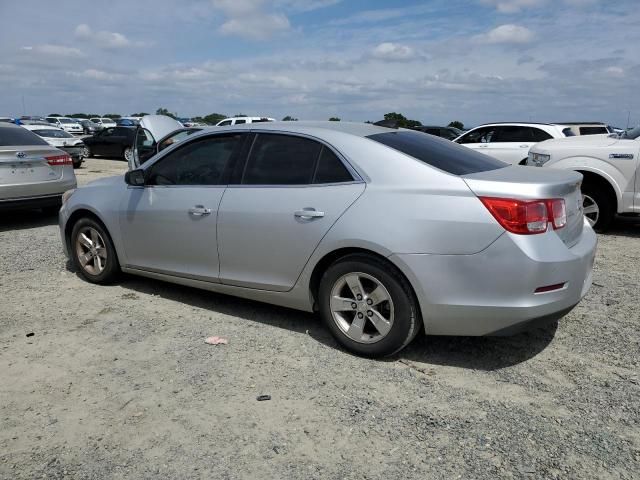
column 384, row 232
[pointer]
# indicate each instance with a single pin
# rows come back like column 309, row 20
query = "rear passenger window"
column 593, row 130
column 225, row 123
column 238, row 122
column 540, row 135
column 281, row 160
column 330, row 169
column 514, row 134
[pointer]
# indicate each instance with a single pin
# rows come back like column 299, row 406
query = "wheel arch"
column 77, row 215
column 331, row 257
column 602, row 181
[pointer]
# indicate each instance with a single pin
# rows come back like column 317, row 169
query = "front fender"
column 609, row 172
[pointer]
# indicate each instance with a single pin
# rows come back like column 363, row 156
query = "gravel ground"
column 117, row 382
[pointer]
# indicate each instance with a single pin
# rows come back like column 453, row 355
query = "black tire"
column 606, row 205
column 51, row 210
column 124, row 153
column 111, row 268
column 406, row 320
column 87, row 152
column 77, row 163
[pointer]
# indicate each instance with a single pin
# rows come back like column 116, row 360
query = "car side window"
column 225, row 123
column 513, row 133
column 330, row 169
column 239, row 122
column 201, row 162
column 281, row 160
column 480, row 135
column 540, row 135
column 593, row 130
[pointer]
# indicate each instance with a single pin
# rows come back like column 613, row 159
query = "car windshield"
column 66, row 120
column 437, row 152
column 633, row 133
column 53, row 133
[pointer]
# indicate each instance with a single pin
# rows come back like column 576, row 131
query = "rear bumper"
column 25, row 192
column 31, row 202
column 492, row 292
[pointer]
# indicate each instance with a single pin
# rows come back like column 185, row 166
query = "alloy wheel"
column 128, row 154
column 590, row 209
column 91, row 251
column 361, row 307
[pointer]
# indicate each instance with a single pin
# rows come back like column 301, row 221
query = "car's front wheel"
column 368, row 306
column 92, row 252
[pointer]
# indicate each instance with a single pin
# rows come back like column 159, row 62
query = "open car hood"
column 159, row 126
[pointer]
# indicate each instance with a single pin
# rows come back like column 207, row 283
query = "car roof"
column 41, row 127
column 516, row 123
column 313, row 128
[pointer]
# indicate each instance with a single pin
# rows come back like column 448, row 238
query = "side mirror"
column 135, row 178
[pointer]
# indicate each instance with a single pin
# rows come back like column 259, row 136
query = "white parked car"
column 57, row 137
column 241, row 120
column 104, row 122
column 609, row 165
column 510, row 142
column 67, row 124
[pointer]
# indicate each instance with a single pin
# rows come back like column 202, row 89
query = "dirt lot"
column 117, row 382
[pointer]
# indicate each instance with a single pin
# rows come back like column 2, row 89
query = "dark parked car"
column 89, row 127
column 449, row 133
column 112, row 142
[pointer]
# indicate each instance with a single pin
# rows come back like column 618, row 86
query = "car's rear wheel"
column 368, row 306
column 86, row 152
column 128, row 154
column 597, row 208
column 92, row 252
column 77, row 162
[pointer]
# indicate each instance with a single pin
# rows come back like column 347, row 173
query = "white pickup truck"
column 609, row 165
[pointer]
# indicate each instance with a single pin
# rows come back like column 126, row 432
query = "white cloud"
column 509, row 33
column 54, row 50
column 513, row 6
column 247, row 18
column 102, row 39
column 394, row 52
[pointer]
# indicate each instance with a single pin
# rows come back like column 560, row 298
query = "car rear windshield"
column 438, row 153
column 19, row 136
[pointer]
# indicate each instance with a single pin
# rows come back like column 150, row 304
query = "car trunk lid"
column 530, row 183
column 28, row 164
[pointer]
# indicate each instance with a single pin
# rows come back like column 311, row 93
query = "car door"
column 478, row 139
column 291, row 190
column 100, row 142
column 169, row 225
column 511, row 143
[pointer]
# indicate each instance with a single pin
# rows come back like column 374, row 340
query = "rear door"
column 289, row 193
column 512, row 143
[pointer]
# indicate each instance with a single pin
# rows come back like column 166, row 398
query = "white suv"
column 610, row 168
column 240, row 120
column 510, row 142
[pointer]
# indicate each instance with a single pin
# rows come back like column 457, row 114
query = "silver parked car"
column 32, row 173
column 382, row 231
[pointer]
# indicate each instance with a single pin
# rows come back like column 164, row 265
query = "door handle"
column 524, row 146
column 483, row 146
column 308, row 213
column 199, row 211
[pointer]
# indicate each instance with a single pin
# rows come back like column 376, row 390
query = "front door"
column 169, row 225
column 479, row 139
column 292, row 190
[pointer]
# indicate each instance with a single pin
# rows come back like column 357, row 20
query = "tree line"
column 398, row 119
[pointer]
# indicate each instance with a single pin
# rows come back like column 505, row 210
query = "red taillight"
column 58, row 160
column 527, row 217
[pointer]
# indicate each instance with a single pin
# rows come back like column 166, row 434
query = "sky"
column 475, row 61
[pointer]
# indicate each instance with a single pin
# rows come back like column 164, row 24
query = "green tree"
column 456, row 124
column 112, row 116
column 78, row 115
column 54, row 115
column 334, row 119
column 164, row 111
column 289, row 118
column 401, row 120
column 213, row 118
column 141, row 114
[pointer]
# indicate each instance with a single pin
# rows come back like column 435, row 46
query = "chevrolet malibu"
column 384, row 232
